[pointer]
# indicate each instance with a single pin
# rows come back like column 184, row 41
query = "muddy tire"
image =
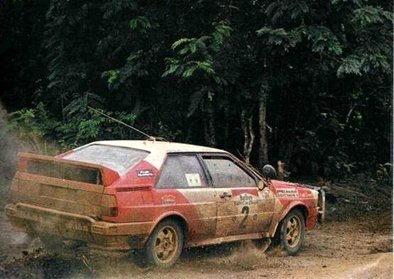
column 164, row 245
column 292, row 232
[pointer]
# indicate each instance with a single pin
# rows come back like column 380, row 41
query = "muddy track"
column 351, row 249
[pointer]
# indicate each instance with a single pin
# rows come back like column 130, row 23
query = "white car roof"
column 158, row 146
column 158, row 149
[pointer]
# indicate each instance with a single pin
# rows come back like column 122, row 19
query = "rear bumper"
column 68, row 226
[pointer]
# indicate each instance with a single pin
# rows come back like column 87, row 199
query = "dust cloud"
column 13, row 141
column 9, row 147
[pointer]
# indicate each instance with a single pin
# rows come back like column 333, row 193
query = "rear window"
column 116, row 158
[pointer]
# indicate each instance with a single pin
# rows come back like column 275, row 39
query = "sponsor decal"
column 168, row 199
column 193, row 179
column 144, row 173
column 305, row 195
column 287, row 192
column 245, row 199
column 237, row 192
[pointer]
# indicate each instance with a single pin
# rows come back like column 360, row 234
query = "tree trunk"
column 226, row 128
column 210, row 133
column 247, row 127
column 263, row 150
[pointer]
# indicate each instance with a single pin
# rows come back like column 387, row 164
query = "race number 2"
column 245, row 210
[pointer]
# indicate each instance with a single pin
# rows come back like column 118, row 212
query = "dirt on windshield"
column 355, row 242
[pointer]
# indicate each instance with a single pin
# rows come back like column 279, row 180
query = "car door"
column 241, row 207
column 182, row 188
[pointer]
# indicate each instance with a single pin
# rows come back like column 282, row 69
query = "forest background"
column 305, row 82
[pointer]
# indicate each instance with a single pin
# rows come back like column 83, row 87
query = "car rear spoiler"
column 66, row 169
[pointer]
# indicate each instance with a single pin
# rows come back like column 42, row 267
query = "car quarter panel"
column 133, row 192
column 292, row 196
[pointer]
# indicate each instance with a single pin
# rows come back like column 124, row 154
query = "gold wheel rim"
column 293, row 231
column 166, row 244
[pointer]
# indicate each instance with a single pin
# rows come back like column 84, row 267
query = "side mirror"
column 269, row 172
column 261, row 185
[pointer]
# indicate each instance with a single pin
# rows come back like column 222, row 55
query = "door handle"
column 225, row 195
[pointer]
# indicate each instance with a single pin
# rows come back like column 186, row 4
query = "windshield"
column 117, row 158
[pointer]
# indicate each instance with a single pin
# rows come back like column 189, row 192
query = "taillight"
column 109, row 211
column 113, row 211
column 109, row 206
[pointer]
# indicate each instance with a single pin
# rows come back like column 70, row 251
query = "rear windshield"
column 116, row 158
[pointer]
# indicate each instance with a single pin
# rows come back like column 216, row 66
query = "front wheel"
column 292, row 232
column 165, row 244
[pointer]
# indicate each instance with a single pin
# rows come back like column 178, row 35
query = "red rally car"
column 157, row 197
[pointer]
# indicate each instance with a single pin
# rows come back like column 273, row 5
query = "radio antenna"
column 121, row 122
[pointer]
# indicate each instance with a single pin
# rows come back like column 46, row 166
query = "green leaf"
column 135, row 55
column 189, row 71
column 205, row 66
column 111, row 75
column 140, row 23
column 193, row 47
column 171, row 69
column 180, row 42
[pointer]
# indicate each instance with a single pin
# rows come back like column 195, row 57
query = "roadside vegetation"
column 305, row 82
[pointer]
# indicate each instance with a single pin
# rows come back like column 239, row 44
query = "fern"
column 350, row 65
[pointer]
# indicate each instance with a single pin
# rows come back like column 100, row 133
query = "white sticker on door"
column 193, row 179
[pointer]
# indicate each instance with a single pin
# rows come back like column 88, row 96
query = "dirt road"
column 351, row 249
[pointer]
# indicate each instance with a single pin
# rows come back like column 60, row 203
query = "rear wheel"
column 292, row 232
column 165, row 244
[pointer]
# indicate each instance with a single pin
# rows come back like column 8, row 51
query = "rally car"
column 157, row 198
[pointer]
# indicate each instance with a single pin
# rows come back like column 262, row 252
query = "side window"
column 181, row 171
column 225, row 173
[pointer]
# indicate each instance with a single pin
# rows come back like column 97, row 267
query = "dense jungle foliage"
column 305, row 82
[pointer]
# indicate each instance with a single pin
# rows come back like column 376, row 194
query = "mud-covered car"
column 157, row 198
